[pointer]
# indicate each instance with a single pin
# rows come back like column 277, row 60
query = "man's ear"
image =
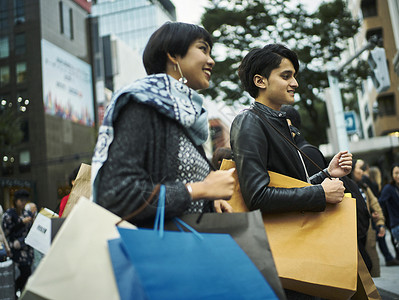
column 260, row 81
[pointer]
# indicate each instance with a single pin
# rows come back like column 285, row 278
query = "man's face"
column 281, row 85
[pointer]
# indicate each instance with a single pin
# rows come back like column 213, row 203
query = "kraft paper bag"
column 366, row 289
column 78, row 265
column 81, row 188
column 315, row 252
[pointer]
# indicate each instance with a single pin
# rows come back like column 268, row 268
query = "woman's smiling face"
column 197, row 65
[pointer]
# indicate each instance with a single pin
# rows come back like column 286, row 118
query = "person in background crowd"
column 372, row 175
column 390, row 199
column 71, row 182
column 362, row 213
column 376, row 215
column 154, row 129
column 16, row 224
column 32, row 208
column 220, row 154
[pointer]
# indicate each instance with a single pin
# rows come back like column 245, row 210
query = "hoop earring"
column 182, row 78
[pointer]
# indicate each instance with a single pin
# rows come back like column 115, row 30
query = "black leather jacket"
column 257, row 149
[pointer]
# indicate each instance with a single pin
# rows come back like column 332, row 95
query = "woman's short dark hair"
column 263, row 61
column 21, row 194
column 174, row 38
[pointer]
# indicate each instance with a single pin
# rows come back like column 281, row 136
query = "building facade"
column 46, row 78
column 132, row 21
column 379, row 112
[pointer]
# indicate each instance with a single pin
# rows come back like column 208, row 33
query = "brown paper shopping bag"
column 78, row 265
column 315, row 252
column 81, row 188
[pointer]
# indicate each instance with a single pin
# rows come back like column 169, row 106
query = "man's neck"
column 268, row 103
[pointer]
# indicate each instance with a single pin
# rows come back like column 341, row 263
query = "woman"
column 377, row 215
column 390, row 198
column 16, row 224
column 154, row 129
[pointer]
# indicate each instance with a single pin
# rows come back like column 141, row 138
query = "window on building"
column 24, row 161
column 366, row 111
column 7, row 164
column 378, row 33
column 4, row 14
column 19, row 11
column 25, row 130
column 20, row 44
column 71, row 23
column 369, row 8
column 66, row 20
column 386, row 105
column 61, row 8
column 21, row 72
column 4, row 75
column 370, row 131
column 4, row 47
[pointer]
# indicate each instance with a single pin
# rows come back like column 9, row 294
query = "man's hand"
column 333, row 189
column 341, row 164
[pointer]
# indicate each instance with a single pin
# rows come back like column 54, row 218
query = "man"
column 259, row 139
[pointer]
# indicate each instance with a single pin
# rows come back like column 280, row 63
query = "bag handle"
column 290, row 142
column 160, row 217
column 141, row 208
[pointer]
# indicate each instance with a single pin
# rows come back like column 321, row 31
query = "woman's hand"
column 341, row 164
column 217, row 185
column 222, row 206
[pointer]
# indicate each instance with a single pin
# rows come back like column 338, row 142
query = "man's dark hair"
column 263, row 61
column 292, row 114
column 174, row 38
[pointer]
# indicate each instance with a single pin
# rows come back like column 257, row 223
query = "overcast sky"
column 190, row 11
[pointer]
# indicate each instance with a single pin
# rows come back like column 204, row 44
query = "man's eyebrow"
column 288, row 72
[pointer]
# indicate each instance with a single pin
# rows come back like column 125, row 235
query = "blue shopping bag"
column 129, row 285
column 190, row 265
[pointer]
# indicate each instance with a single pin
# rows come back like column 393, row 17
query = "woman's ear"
column 171, row 58
column 260, row 81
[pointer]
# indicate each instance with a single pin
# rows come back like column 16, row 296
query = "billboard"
column 67, row 85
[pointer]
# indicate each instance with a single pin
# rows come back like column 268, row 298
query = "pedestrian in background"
column 219, row 154
column 377, row 217
column 390, row 199
column 154, row 129
column 16, row 224
column 374, row 175
column 71, row 182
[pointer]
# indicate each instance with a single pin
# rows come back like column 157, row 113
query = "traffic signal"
column 379, row 69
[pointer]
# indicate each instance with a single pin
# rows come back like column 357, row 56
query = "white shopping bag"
column 39, row 236
column 78, row 265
